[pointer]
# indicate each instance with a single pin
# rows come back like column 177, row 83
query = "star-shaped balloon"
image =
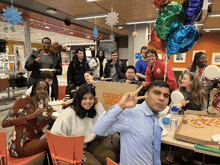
column 95, row 32
column 12, row 15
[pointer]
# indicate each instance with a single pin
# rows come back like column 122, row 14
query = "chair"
column 110, row 162
column 65, row 149
column 7, row 159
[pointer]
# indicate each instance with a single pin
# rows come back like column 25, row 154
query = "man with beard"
column 45, row 59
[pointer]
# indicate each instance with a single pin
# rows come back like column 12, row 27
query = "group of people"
column 131, row 129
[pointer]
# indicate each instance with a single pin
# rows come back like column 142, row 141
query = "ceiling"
column 129, row 10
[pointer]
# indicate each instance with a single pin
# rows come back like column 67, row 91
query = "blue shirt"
column 141, row 66
column 136, row 132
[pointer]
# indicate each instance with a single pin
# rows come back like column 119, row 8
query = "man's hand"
column 38, row 59
column 144, row 83
column 130, row 99
column 127, row 81
column 54, row 71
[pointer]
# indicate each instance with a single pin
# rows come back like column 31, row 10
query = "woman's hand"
column 84, row 157
column 49, row 111
column 183, row 102
column 38, row 112
column 130, row 99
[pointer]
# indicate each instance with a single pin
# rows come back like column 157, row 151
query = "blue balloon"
column 192, row 11
column 182, row 40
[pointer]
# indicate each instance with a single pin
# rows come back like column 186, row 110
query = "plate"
column 46, row 69
column 55, row 102
column 216, row 138
column 212, row 72
column 164, row 132
column 176, row 96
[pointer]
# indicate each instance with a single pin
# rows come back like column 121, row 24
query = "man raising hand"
column 139, row 125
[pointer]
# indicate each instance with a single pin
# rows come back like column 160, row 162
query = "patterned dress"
column 26, row 139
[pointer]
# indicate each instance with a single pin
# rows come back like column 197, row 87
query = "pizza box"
column 202, row 136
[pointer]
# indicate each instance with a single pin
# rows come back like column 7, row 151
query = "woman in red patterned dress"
column 26, row 115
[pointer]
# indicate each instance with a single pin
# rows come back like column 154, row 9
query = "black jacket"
column 33, row 66
column 76, row 71
column 120, row 68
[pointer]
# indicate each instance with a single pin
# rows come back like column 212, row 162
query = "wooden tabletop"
column 169, row 139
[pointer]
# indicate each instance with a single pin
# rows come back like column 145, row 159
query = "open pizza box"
column 202, row 136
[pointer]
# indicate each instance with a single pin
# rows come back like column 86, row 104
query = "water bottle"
column 174, row 118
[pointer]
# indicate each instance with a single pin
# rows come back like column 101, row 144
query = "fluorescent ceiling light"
column 47, row 27
column 120, row 27
column 198, row 24
column 209, row 29
column 141, row 22
column 51, row 11
column 91, row 16
column 214, row 14
column 71, row 32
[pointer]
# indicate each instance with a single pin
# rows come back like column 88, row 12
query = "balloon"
column 169, row 19
column 182, row 40
column 157, row 41
column 192, row 10
column 178, row 1
column 159, row 4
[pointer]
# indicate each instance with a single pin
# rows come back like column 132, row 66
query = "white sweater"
column 93, row 65
column 68, row 124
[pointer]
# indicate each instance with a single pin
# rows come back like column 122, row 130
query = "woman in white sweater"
column 97, row 64
column 79, row 119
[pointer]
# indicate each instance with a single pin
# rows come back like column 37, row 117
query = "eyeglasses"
column 46, row 43
column 204, row 58
column 151, row 56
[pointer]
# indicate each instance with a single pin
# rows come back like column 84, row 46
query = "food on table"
column 200, row 121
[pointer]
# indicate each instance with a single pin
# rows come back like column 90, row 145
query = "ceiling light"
column 91, row 16
column 214, row 14
column 71, row 32
column 120, row 27
column 141, row 22
column 52, row 11
column 47, row 27
column 209, row 29
column 198, row 24
column 88, row 36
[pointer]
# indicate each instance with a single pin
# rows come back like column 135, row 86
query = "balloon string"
column 165, row 72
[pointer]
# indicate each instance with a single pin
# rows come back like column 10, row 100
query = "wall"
column 209, row 42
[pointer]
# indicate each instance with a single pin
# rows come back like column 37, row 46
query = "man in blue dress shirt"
column 139, row 125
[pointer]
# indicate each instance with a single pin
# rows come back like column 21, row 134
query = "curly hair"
column 76, row 104
column 196, row 90
column 195, row 61
column 36, row 84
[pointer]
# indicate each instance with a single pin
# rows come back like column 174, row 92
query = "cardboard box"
column 111, row 93
column 202, row 136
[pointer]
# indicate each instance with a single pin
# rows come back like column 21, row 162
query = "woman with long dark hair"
column 97, row 64
column 78, row 119
column 26, row 115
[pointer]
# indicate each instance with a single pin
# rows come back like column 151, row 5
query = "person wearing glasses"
column 195, row 98
column 45, row 59
column 114, row 68
column 198, row 66
column 156, row 70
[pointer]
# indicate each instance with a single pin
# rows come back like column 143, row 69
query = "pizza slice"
column 195, row 124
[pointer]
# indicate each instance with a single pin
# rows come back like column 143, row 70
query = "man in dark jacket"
column 114, row 68
column 45, row 59
column 77, row 68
